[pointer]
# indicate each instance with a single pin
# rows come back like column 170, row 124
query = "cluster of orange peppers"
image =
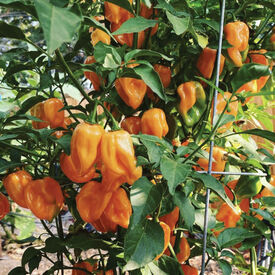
column 43, row 197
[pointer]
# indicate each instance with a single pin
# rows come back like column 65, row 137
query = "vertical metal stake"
column 212, row 142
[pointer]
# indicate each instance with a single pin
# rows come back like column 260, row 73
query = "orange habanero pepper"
column 171, row 218
column 116, row 14
column 69, row 169
column 153, row 122
column 103, row 224
column 206, row 62
column 52, row 111
column 266, row 192
column 15, row 184
column 85, row 146
column 131, row 124
column 119, row 209
column 4, row 206
column 92, row 76
column 84, row 265
column 237, row 34
column 250, row 86
column 166, row 231
column 44, row 198
column 38, row 111
column 99, row 35
column 131, row 90
column 119, row 161
column 92, row 200
column 189, row 270
column 228, row 216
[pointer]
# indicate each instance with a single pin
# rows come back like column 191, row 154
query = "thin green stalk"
column 20, row 149
column 174, row 256
column 262, row 25
column 94, row 113
column 47, row 228
column 253, row 261
column 272, row 260
column 102, row 261
column 115, row 124
column 135, row 39
column 37, row 47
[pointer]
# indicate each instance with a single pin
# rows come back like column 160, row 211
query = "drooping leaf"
column 144, row 53
column 225, row 267
column 19, row 5
column 10, row 31
column 180, row 24
column 59, row 24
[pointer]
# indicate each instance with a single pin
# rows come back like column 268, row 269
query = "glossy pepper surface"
column 237, row 34
column 15, row 184
column 38, row 111
column 83, row 265
column 92, row 76
column 52, row 112
column 69, row 169
column 103, row 224
column 44, row 198
column 192, row 102
column 85, row 146
column 166, row 231
column 189, row 270
column 99, row 35
column 266, row 192
column 91, row 201
column 248, row 187
column 171, row 218
column 119, row 208
column 228, row 216
column 153, row 122
column 250, row 86
column 259, row 58
column 184, row 249
column 131, row 124
column 131, row 90
column 232, row 108
column 116, row 14
column 164, row 73
column 119, row 161
column 4, row 206
column 206, row 62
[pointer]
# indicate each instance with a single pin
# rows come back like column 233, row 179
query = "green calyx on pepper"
column 192, row 102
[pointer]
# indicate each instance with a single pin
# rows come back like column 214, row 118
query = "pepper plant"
column 107, row 109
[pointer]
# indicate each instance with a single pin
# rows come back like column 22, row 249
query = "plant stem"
column 253, row 261
column 272, row 260
column 174, row 256
column 135, row 39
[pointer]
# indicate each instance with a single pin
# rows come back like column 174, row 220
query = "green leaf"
column 33, row 257
column 53, row 245
column 27, row 104
column 65, row 143
column 247, row 73
column 19, row 5
column 142, row 244
column 59, row 24
column 151, row 79
column 145, row 198
column 19, row 270
column 199, row 218
column 10, row 31
column 265, row 214
column 25, row 223
column 5, row 165
column 154, row 151
column 18, row 67
column 125, row 4
column 136, row 24
column 260, row 225
column 174, row 172
column 187, row 210
column 213, row 184
column 144, row 53
column 225, row 267
column 268, row 201
column 165, row 265
column 232, row 236
column 180, row 25
column 258, row 132
column 249, row 243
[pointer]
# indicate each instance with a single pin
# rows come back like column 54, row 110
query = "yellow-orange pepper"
column 15, row 184
column 131, row 124
column 92, row 76
column 4, row 206
column 171, row 218
column 153, row 122
column 52, row 112
column 237, row 34
column 189, row 270
column 38, row 111
column 250, row 86
column 92, row 200
column 166, row 231
column 119, row 161
column 99, row 35
column 44, row 198
column 116, row 14
column 85, row 146
column 228, row 216
column 103, row 224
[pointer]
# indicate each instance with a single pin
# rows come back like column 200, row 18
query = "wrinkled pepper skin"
column 250, row 86
column 206, row 62
column 119, row 209
column 228, row 216
column 259, row 58
column 116, row 14
column 84, row 265
column 192, row 102
column 131, row 124
column 131, row 90
column 119, row 161
column 184, row 249
column 153, row 122
column 68, row 168
column 92, row 76
column 52, row 113
column 104, row 225
column 219, row 161
column 171, row 218
column 15, row 184
column 91, row 201
column 4, row 206
column 248, row 187
column 38, row 111
column 99, row 35
column 44, row 198
column 237, row 34
column 164, row 73
column 85, row 146
column 189, row 270
column 167, row 232
column 232, row 108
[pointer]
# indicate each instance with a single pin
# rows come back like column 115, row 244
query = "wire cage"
column 263, row 246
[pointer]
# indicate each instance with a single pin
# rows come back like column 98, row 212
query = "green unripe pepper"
column 248, row 187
